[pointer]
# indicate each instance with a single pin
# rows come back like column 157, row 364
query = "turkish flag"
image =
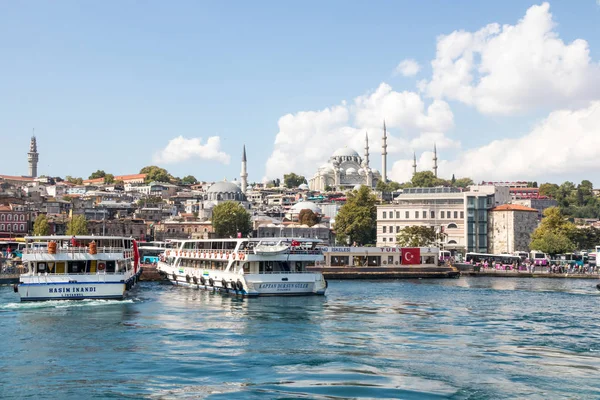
column 295, row 243
column 411, row 256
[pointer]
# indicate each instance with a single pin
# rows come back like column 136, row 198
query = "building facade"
column 510, row 227
column 14, row 221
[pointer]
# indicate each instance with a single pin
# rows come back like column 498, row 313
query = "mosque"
column 346, row 169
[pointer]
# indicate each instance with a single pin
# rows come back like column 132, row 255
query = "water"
column 471, row 338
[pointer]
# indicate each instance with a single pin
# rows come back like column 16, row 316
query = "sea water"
column 469, row 338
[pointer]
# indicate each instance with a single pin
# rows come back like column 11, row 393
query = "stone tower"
column 32, row 157
column 384, row 155
column 414, row 163
column 244, row 173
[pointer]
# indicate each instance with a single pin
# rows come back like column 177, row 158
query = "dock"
column 381, row 272
column 150, row 274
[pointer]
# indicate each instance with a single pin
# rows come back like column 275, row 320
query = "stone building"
column 14, row 220
column 135, row 228
column 510, row 227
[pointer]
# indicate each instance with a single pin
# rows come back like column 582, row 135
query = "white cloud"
column 513, row 68
column 181, row 149
column 567, row 141
column 409, row 67
column 308, row 138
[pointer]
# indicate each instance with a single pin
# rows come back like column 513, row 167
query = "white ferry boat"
column 76, row 268
column 247, row 267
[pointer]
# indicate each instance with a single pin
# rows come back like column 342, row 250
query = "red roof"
column 513, row 207
column 16, row 178
column 117, row 178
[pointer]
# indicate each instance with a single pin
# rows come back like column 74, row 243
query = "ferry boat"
column 150, row 251
column 78, row 267
column 247, row 267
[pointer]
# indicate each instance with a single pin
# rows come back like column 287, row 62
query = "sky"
column 506, row 90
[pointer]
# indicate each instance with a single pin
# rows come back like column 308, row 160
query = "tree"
column 388, row 187
column 453, row 180
column 328, row 188
column 41, row 226
column 553, row 234
column 98, row 174
column 77, row 226
column 549, row 190
column 427, row 179
column 155, row 174
column 189, row 180
column 357, row 219
column 230, row 218
column 150, row 200
column 75, row 181
column 308, row 217
column 292, row 180
column 109, row 178
column 552, row 243
column 419, row 236
column 463, row 182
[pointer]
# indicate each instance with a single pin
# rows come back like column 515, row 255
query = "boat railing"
column 189, row 252
column 281, row 272
column 75, row 250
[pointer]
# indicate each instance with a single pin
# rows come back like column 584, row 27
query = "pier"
column 406, row 272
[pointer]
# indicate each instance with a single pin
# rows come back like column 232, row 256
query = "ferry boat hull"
column 248, row 285
column 72, row 291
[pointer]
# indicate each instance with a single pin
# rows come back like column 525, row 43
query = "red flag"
column 295, row 243
column 411, row 256
column 136, row 257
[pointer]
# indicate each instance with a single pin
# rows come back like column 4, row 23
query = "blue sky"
column 108, row 85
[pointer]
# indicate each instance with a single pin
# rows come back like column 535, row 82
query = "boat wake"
column 62, row 304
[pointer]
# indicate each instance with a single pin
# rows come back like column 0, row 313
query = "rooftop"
column 513, row 207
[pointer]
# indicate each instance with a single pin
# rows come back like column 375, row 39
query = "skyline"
column 517, row 74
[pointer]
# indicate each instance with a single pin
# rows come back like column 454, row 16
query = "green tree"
column 77, row 226
column 427, row 179
column 357, row 219
column 463, row 183
column 155, row 174
column 292, row 180
column 308, row 217
column 75, row 181
column 419, row 236
column 549, row 190
column 109, row 178
column 552, row 243
column 189, row 180
column 328, row 188
column 453, row 180
column 41, row 226
column 388, row 187
column 229, row 218
column 152, row 200
column 98, row 174
column 553, row 234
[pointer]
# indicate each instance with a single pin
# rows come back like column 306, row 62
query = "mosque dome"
column 305, row 205
column 303, row 186
column 356, row 187
column 362, row 172
column 350, row 171
column 345, row 152
column 223, row 187
column 223, row 191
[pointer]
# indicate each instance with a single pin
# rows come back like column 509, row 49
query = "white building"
column 461, row 216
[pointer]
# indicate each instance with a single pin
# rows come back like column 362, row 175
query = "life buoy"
column 211, row 282
column 239, row 285
column 101, row 266
column 195, row 279
column 202, row 280
column 168, row 252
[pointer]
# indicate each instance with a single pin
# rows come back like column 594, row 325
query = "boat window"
column 76, row 267
column 110, row 266
column 41, row 267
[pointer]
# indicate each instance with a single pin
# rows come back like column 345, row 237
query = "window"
column 462, row 214
column 392, row 239
column 432, row 214
column 22, row 217
column 452, row 226
column 455, row 214
column 384, row 215
column 2, row 217
column 1, row 227
column 384, row 239
column 9, row 217
column 384, row 228
column 442, row 214
column 416, row 214
column 15, row 227
column 397, row 229
column 391, row 229
column 22, row 227
column 406, row 215
column 397, row 214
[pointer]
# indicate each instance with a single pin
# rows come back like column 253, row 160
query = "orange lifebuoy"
column 242, row 256
column 168, row 252
column 101, row 266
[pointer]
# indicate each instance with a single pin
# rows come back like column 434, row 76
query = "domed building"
column 345, row 170
column 220, row 192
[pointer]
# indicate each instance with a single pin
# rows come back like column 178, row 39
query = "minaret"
column 435, row 166
column 244, row 173
column 32, row 157
column 414, row 163
column 366, row 149
column 384, row 155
